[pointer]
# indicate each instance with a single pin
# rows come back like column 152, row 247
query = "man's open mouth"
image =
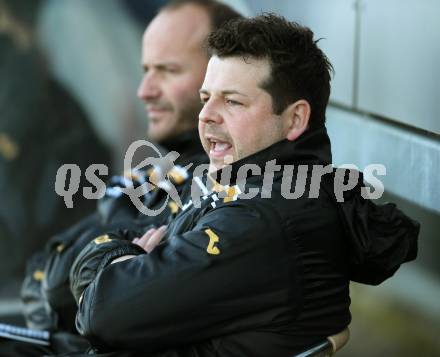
column 218, row 147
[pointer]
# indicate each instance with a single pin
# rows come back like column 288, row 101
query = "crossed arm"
column 184, row 290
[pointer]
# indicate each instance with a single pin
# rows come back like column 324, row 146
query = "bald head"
column 175, row 30
column 174, row 62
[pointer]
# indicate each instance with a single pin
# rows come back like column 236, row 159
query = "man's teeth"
column 221, row 146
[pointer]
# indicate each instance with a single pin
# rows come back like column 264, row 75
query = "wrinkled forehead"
column 236, row 73
column 177, row 31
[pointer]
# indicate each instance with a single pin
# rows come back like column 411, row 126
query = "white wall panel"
column 399, row 72
column 258, row 6
column 412, row 161
column 334, row 21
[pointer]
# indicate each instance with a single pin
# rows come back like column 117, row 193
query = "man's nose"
column 210, row 113
column 148, row 88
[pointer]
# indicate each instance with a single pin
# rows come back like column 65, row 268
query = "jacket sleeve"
column 37, row 312
column 227, row 274
column 33, row 302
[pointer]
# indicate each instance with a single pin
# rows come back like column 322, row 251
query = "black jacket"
column 235, row 277
column 48, row 302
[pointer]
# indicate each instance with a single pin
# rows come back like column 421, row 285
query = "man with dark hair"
column 294, row 75
column 174, row 59
column 236, row 275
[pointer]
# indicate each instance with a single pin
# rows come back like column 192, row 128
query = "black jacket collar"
column 312, row 147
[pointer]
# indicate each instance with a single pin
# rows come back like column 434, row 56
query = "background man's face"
column 237, row 118
column 174, row 64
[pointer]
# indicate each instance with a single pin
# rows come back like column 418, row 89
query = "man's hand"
column 148, row 242
column 151, row 239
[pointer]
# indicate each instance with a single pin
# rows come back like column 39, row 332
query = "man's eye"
column 203, row 100
column 166, row 70
column 172, row 70
column 232, row 102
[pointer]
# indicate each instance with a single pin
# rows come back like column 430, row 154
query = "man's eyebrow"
column 160, row 65
column 233, row 91
column 224, row 92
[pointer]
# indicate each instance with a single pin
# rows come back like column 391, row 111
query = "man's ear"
column 297, row 117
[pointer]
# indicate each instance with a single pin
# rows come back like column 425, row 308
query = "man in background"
column 174, row 60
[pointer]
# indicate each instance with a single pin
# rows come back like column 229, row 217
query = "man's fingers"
column 148, row 234
column 155, row 239
column 144, row 239
column 151, row 238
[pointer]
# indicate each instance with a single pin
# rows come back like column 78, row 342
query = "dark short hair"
column 218, row 12
column 299, row 69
